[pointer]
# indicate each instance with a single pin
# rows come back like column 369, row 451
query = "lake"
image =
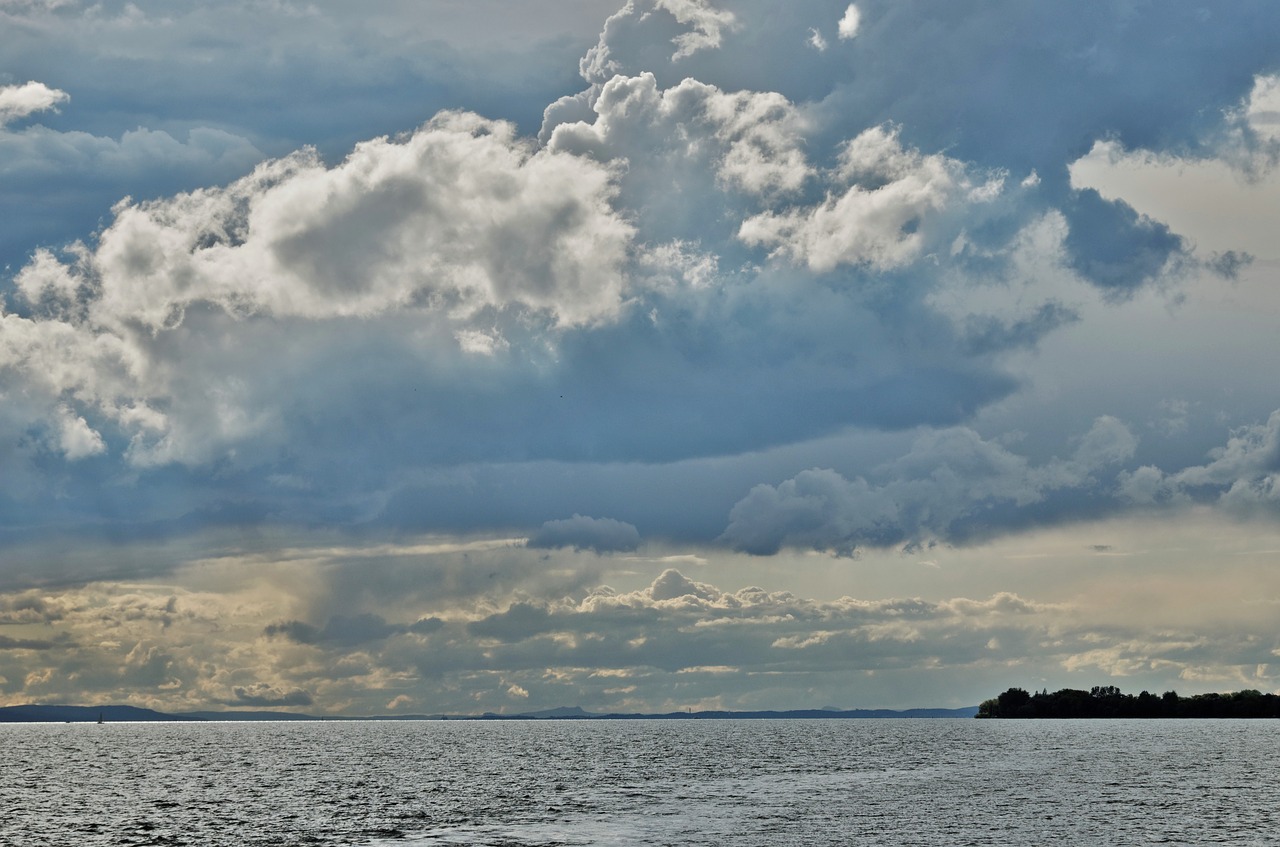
column 682, row 782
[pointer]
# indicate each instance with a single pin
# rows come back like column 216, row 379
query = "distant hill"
column 117, row 714
column 235, row 715
column 81, row 714
column 561, row 712
column 122, row 714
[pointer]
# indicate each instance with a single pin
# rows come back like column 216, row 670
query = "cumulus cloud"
column 881, row 212
column 1262, row 112
column 683, row 147
column 459, row 215
column 18, row 101
column 1243, row 476
column 639, row 643
column 1097, row 66
column 985, row 333
column 645, row 27
column 460, row 221
column 671, row 585
column 1116, row 248
column 706, row 23
column 465, row 262
column 603, row 535
column 74, row 437
column 516, row 623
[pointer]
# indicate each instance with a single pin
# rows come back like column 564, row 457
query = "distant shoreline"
column 121, row 714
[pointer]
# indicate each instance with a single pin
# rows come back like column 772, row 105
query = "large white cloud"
column 457, row 221
column 497, row 249
column 458, row 216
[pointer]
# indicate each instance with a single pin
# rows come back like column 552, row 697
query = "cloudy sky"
column 484, row 355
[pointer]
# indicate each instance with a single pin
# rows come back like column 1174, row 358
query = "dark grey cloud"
column 29, row 608
column 7, row 643
column 1114, row 247
column 950, row 487
column 263, row 695
column 342, row 631
column 299, row 631
column 426, row 626
column 1242, row 476
column 437, row 582
column 517, row 623
column 987, row 334
column 603, row 535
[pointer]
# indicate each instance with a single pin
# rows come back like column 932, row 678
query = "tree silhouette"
column 1108, row 701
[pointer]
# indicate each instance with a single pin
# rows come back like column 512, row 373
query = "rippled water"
column 766, row 783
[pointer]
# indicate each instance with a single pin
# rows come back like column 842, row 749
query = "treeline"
column 1107, row 701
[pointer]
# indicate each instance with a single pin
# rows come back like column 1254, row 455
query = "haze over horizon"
column 447, row 357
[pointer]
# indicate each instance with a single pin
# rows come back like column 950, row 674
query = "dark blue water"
column 819, row 782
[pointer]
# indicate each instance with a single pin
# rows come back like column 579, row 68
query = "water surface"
column 754, row 783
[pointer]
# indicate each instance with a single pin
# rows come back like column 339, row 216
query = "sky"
column 436, row 356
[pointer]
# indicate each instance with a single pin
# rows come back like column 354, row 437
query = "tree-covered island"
column 1107, row 701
